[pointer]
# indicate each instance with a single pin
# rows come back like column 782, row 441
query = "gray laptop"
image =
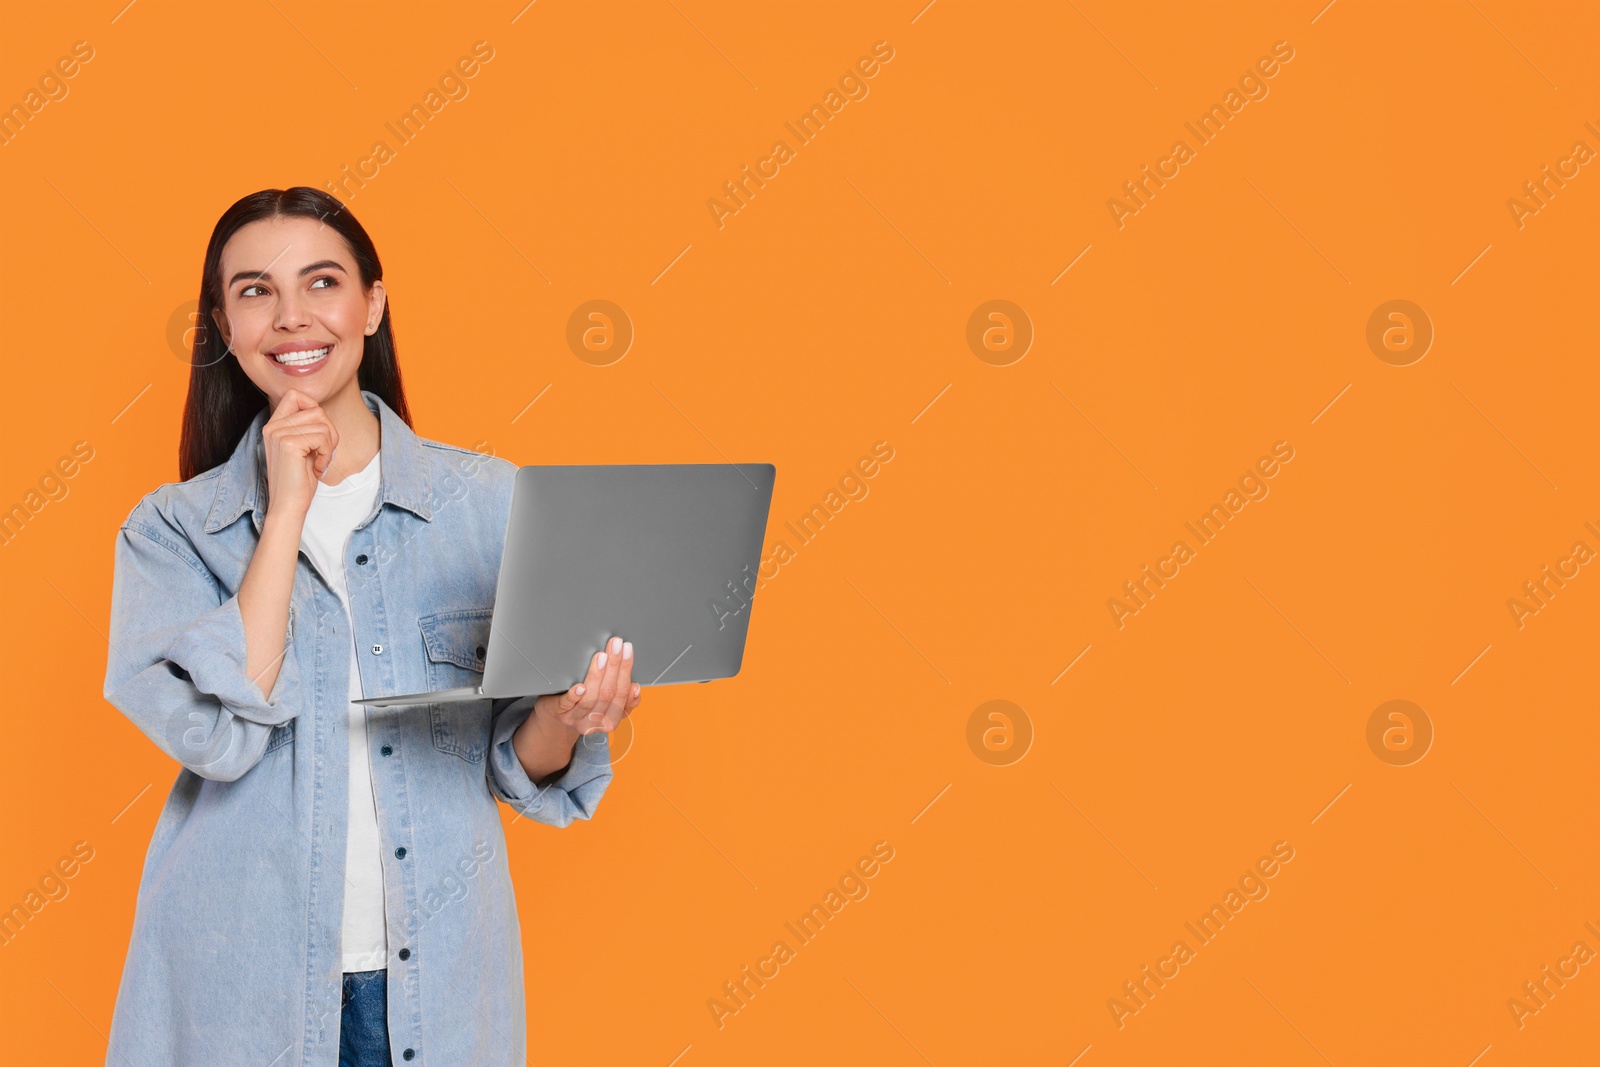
column 664, row 555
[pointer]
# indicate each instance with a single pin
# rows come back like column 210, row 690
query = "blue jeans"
column 364, row 1020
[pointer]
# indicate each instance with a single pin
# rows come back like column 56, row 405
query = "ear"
column 377, row 297
column 222, row 326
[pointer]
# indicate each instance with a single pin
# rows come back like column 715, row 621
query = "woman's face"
column 293, row 309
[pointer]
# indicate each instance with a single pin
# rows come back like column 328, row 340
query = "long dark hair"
column 222, row 399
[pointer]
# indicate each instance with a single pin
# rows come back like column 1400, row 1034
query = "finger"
column 297, row 408
column 313, row 444
column 591, row 687
column 301, row 422
column 570, row 698
column 300, row 440
column 293, row 400
column 314, row 435
column 330, row 436
column 318, row 451
column 624, row 692
column 566, row 705
column 607, row 691
column 582, row 718
column 633, row 702
column 325, row 456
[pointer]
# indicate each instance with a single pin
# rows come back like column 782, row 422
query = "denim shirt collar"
column 403, row 478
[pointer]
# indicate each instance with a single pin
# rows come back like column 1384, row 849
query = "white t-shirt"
column 335, row 512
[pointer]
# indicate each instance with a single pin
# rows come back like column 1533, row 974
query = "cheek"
column 346, row 316
column 247, row 321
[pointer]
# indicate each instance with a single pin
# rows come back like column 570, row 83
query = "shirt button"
column 386, row 750
column 409, row 1054
column 480, row 651
column 405, row 954
column 361, row 559
column 400, row 853
column 377, row 650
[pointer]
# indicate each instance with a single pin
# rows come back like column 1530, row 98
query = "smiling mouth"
column 304, row 358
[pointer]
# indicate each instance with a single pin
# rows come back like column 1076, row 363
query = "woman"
column 325, row 879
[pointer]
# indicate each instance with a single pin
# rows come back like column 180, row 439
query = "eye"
column 246, row 290
column 330, row 279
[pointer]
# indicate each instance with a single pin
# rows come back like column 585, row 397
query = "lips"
column 301, row 357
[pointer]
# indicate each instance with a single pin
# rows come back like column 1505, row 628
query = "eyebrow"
column 261, row 275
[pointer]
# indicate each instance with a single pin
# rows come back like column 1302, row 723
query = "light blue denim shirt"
column 234, row 957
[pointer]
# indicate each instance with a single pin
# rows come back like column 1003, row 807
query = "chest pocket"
column 455, row 642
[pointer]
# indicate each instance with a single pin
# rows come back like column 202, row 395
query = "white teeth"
column 301, row 359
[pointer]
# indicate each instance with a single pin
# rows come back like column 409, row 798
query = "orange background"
column 827, row 315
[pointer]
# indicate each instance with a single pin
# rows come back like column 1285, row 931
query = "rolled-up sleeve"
column 176, row 666
column 573, row 794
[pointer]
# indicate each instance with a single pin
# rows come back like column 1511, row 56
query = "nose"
column 291, row 311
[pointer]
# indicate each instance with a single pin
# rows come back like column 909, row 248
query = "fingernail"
column 600, row 661
column 577, row 690
column 615, row 645
column 627, row 650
